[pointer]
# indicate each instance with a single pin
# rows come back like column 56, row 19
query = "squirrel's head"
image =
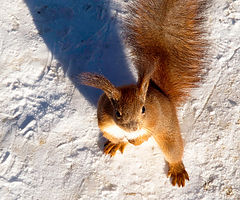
column 128, row 101
column 129, row 109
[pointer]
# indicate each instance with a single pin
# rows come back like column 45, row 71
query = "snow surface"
column 50, row 144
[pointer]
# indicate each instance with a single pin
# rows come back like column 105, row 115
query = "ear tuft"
column 99, row 81
column 143, row 82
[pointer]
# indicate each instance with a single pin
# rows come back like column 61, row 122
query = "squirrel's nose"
column 134, row 128
column 134, row 125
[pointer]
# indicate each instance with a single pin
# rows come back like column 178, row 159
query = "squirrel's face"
column 127, row 102
column 129, row 109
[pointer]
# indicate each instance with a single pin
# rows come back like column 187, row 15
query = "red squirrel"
column 167, row 46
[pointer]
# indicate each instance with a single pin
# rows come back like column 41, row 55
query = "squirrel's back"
column 166, row 36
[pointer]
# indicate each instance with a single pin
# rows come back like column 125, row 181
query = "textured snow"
column 50, row 144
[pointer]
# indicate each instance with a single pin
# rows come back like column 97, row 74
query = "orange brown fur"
column 167, row 48
column 168, row 35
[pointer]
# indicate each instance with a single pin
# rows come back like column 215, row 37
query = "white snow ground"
column 50, row 145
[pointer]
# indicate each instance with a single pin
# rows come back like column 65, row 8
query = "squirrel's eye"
column 118, row 115
column 143, row 110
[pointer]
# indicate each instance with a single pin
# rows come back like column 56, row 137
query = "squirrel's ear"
column 99, row 81
column 143, row 82
column 143, row 88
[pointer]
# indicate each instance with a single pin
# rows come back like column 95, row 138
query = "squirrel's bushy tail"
column 168, row 35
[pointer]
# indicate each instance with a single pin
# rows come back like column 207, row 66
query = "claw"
column 178, row 174
column 111, row 148
column 114, row 150
column 108, row 147
column 122, row 147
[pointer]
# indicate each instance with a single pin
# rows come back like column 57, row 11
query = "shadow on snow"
column 82, row 36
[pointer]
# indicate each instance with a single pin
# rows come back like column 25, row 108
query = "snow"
column 50, row 144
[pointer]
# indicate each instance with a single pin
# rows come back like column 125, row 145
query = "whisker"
column 148, row 130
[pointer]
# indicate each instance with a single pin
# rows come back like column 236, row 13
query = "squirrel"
column 167, row 47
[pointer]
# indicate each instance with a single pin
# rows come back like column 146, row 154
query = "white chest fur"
column 123, row 135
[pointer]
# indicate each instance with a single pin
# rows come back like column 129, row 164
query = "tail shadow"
column 83, row 36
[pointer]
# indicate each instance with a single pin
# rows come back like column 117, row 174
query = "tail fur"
column 168, row 36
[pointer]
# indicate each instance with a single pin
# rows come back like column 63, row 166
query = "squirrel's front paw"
column 111, row 148
column 178, row 174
